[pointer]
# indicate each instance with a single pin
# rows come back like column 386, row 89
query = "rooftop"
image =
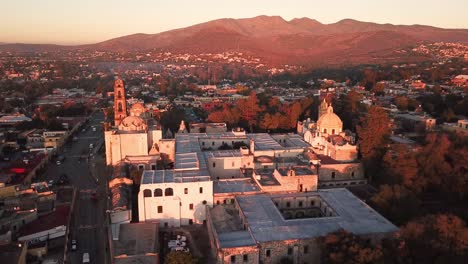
column 229, row 227
column 299, row 171
column 235, row 186
column 352, row 214
column 137, row 239
column 266, row 177
column 165, row 176
column 57, row 218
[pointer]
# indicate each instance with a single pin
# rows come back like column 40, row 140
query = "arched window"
column 158, row 193
column 120, row 107
column 333, row 131
column 119, row 95
column 147, row 193
column 325, row 130
column 168, row 192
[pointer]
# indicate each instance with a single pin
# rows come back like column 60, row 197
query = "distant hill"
column 299, row 41
column 22, row 47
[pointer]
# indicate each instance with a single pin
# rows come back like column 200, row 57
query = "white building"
column 134, row 137
column 175, row 198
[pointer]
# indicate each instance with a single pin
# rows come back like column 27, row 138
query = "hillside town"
column 222, row 170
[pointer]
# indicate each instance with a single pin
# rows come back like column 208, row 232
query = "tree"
column 373, row 136
column 249, row 109
column 439, row 238
column 396, row 203
column 401, row 103
column 344, row 247
column 401, row 167
column 180, row 257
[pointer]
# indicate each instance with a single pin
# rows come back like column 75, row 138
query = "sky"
column 89, row 21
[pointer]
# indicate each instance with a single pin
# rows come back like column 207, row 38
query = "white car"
column 73, row 245
column 85, row 257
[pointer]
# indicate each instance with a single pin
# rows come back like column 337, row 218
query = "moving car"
column 73, row 245
column 86, row 257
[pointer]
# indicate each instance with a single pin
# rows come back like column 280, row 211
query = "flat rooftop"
column 266, row 177
column 223, row 154
column 235, row 186
column 229, row 227
column 57, row 218
column 264, row 141
column 165, row 176
column 137, row 239
column 267, row 224
column 300, row 171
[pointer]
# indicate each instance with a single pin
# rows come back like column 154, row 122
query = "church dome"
column 132, row 123
column 330, row 123
column 137, row 109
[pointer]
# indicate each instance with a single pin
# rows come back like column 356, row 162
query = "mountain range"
column 298, row 41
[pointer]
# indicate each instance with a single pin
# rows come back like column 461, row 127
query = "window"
column 233, row 164
column 232, row 201
column 157, row 192
column 119, row 109
column 290, row 251
column 352, row 174
column 245, row 257
column 153, row 166
column 166, row 224
column 325, row 130
column 288, row 204
column 312, row 203
column 333, row 131
column 333, row 175
column 147, row 193
column 185, row 190
column 300, row 203
column 306, row 249
column 119, row 95
column 168, row 192
column 214, row 164
column 217, row 202
column 203, row 143
column 268, row 253
column 141, row 167
column 201, row 189
column 204, row 202
column 191, row 206
column 160, row 209
column 190, row 221
column 233, row 259
column 224, row 201
column 212, row 143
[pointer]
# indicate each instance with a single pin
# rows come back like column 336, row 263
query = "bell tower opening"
column 120, row 104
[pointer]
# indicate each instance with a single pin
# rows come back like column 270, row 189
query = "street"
column 85, row 169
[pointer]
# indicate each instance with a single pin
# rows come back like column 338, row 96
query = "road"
column 87, row 175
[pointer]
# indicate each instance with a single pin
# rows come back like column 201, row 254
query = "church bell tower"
column 120, row 104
